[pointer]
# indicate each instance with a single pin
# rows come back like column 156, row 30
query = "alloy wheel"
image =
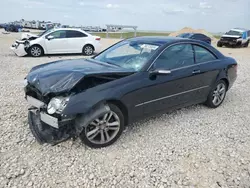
column 88, row 50
column 103, row 129
column 36, row 51
column 219, row 94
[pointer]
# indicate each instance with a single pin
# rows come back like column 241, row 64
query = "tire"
column 219, row 44
column 88, row 50
column 246, row 45
column 36, row 51
column 93, row 139
column 216, row 92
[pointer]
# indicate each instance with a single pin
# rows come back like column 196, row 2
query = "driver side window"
column 177, row 56
column 58, row 34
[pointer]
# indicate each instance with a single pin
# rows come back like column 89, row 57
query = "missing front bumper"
column 52, row 121
column 45, row 133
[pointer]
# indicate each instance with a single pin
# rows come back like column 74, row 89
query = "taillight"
column 98, row 38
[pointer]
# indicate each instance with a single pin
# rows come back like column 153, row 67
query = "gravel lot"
column 191, row 147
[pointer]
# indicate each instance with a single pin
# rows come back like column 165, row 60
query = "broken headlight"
column 57, row 104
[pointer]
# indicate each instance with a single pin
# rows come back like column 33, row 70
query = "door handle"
column 196, row 71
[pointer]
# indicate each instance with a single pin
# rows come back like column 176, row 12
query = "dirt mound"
column 191, row 30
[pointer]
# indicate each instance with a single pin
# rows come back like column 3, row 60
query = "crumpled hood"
column 62, row 76
column 28, row 35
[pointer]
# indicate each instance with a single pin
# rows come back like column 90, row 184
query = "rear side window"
column 75, row 34
column 203, row 55
column 180, row 55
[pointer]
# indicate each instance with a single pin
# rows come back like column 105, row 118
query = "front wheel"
column 35, row 51
column 104, row 130
column 217, row 94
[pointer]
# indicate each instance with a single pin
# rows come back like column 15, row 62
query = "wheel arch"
column 122, row 107
column 88, row 44
column 226, row 81
column 37, row 45
column 223, row 75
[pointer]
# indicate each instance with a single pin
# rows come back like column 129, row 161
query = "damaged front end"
column 48, row 121
column 20, row 47
column 48, row 128
column 49, row 125
column 65, row 96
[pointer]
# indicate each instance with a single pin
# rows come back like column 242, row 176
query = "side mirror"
column 159, row 72
column 50, row 37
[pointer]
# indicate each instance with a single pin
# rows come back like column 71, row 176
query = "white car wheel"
column 36, row 51
column 88, row 50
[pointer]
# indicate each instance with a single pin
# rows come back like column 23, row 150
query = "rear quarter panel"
column 220, row 69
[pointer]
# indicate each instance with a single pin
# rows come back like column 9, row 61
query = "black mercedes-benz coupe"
column 94, row 99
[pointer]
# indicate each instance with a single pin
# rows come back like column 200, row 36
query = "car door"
column 206, row 62
column 56, row 42
column 178, row 88
column 76, row 41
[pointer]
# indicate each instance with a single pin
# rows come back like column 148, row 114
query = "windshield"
column 232, row 32
column 43, row 33
column 128, row 54
column 185, row 35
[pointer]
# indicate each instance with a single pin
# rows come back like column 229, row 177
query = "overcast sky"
column 166, row 15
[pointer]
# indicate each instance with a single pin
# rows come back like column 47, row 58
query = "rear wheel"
column 36, row 51
column 104, row 130
column 88, row 50
column 217, row 94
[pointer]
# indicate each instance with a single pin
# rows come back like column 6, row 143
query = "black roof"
column 160, row 40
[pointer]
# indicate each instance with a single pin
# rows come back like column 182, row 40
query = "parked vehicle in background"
column 2, row 25
column 196, row 36
column 135, row 78
column 236, row 37
column 57, row 41
column 12, row 28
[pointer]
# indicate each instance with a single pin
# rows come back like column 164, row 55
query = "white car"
column 57, row 41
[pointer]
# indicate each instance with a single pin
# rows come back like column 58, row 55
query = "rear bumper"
column 97, row 46
column 232, row 75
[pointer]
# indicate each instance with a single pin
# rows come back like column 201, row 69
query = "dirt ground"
column 192, row 147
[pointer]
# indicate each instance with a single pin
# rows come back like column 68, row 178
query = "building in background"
column 36, row 24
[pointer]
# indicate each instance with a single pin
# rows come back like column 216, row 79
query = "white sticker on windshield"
column 148, row 46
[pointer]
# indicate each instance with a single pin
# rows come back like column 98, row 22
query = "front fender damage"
column 85, row 119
